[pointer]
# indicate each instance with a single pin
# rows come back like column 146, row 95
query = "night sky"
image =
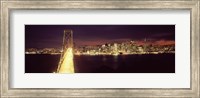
column 50, row 36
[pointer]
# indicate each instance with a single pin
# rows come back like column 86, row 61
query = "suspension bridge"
column 66, row 64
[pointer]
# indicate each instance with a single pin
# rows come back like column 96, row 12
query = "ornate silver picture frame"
column 8, row 5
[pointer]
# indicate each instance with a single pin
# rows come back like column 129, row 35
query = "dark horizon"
column 46, row 36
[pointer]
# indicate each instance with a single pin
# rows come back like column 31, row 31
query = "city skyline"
column 44, row 36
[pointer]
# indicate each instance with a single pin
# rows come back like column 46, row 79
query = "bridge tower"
column 68, row 39
column 66, row 64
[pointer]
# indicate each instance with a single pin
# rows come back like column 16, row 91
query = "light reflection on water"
column 150, row 63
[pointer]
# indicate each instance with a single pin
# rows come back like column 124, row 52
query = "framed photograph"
column 130, row 48
column 100, row 48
